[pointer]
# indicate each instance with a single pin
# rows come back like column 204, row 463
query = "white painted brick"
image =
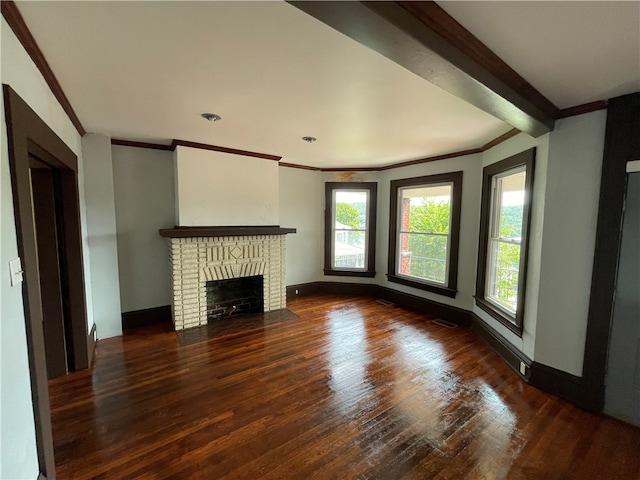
column 192, row 261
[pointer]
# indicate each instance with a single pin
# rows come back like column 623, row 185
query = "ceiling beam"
column 424, row 39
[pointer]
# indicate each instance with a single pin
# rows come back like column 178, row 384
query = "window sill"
column 444, row 291
column 503, row 317
column 350, row 273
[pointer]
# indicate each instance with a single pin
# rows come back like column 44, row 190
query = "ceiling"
column 573, row 52
column 145, row 71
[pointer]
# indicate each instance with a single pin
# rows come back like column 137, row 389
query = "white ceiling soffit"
column 573, row 52
column 146, row 71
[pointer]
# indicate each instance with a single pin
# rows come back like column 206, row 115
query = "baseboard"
column 510, row 354
column 544, row 377
column 364, row 289
column 146, row 316
column 302, row 289
column 446, row 312
column 561, row 384
column 91, row 345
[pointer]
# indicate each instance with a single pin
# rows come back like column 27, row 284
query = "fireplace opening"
column 233, row 296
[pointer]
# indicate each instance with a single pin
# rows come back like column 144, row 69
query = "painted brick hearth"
column 196, row 260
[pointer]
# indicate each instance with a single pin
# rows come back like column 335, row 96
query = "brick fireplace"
column 198, row 255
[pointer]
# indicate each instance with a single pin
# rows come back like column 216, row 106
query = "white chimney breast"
column 225, row 189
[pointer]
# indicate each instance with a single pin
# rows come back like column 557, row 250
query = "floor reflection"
column 441, row 405
column 348, row 359
column 347, row 389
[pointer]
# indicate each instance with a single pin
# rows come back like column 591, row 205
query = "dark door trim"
column 622, row 144
column 28, row 134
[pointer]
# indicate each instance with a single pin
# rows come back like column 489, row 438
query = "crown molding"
column 14, row 18
column 301, row 167
column 132, row 143
column 584, row 108
column 216, row 148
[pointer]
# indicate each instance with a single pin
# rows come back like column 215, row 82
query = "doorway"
column 622, row 381
column 622, row 144
column 44, row 180
column 45, row 188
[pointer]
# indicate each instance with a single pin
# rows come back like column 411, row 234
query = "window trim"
column 330, row 188
column 449, row 289
column 525, row 159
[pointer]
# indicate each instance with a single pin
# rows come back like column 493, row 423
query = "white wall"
column 221, row 189
column 301, row 208
column 570, row 217
column 18, row 456
column 101, row 234
column 143, row 183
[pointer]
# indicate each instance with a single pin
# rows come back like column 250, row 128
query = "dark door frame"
column 622, row 144
column 28, row 134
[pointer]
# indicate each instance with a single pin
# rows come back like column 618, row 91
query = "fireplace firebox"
column 234, row 295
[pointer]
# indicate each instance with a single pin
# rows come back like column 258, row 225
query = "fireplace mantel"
column 186, row 232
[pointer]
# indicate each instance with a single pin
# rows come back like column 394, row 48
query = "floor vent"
column 384, row 302
column 444, row 323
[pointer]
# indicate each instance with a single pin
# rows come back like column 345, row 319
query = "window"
column 504, row 228
column 424, row 232
column 350, row 229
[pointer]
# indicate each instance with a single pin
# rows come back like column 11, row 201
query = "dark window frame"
column 370, row 269
column 515, row 323
column 450, row 288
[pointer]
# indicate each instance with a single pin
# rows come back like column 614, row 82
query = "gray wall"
column 471, row 166
column 622, row 394
column 144, row 202
column 101, row 234
column 520, row 143
column 301, row 208
column 567, row 174
column 566, row 186
column 572, row 193
column 562, row 243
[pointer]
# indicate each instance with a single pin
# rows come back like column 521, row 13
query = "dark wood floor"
column 348, row 389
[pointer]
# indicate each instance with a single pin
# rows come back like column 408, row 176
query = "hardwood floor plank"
column 346, row 388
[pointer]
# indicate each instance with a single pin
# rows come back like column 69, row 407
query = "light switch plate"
column 15, row 270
